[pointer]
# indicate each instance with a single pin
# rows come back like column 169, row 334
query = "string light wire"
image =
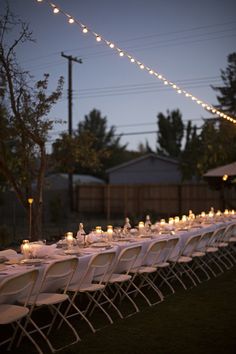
column 122, row 53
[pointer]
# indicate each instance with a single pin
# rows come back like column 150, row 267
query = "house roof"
column 60, row 180
column 145, row 157
column 220, row 171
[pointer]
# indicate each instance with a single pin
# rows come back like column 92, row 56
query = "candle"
column 141, row 227
column 69, row 239
column 25, row 248
column 109, row 232
column 98, row 230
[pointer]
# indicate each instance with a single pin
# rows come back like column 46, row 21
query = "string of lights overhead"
column 122, row 53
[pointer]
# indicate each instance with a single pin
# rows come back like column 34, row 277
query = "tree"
column 227, row 93
column 171, row 132
column 24, row 123
column 93, row 147
column 191, row 153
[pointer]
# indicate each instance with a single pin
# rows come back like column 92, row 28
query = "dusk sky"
column 186, row 41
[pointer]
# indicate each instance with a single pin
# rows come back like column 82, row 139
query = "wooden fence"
column 169, row 200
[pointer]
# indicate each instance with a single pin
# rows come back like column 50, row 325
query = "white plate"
column 32, row 261
column 72, row 252
column 99, row 244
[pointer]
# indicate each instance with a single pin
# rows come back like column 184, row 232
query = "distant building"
column 148, row 169
column 60, row 180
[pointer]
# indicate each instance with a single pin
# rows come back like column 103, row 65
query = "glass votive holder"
column 25, row 249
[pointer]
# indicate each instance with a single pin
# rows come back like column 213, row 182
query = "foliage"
column 171, row 132
column 227, row 93
column 24, row 125
column 91, row 149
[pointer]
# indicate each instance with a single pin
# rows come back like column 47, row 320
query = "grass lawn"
column 201, row 320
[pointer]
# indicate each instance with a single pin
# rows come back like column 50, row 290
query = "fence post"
column 179, row 199
column 107, row 187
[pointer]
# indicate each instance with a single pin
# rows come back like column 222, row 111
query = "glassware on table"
column 81, row 236
column 25, row 249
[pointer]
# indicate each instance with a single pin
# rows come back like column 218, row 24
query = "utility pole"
column 70, row 130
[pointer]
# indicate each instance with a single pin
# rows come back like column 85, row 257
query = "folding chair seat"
column 50, row 297
column 93, row 285
column 10, row 311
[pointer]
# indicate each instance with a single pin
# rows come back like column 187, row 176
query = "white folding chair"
column 213, row 251
column 12, row 287
column 93, row 285
column 164, row 270
column 153, row 258
column 50, row 297
column 182, row 263
column 121, row 282
column 201, row 254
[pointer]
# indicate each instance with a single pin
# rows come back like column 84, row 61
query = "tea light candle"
column 171, row 221
column 141, row 227
column 98, row 230
column 226, row 212
column 176, row 219
column 184, row 218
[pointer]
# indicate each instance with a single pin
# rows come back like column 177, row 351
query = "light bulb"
column 141, row 66
column 71, row 20
column 56, row 10
column 179, row 91
column 166, row 82
column 121, row 54
column 98, row 38
column 85, row 30
column 111, row 45
column 150, row 72
column 132, row 60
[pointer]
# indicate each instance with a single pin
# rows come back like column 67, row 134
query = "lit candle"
column 226, row 212
column 25, row 248
column 176, row 219
column 203, row 214
column 184, row 218
column 109, row 232
column 69, row 239
column 171, row 221
column 141, row 227
column 98, row 230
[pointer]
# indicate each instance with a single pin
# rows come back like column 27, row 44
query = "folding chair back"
column 155, row 253
column 12, row 289
column 190, row 245
column 204, row 241
column 127, row 258
column 217, row 236
column 172, row 250
column 58, row 275
column 18, row 285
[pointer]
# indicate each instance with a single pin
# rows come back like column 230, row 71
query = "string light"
column 122, row 53
column 85, row 30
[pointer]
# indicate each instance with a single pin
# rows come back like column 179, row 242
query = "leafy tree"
column 171, row 132
column 93, row 147
column 24, row 123
column 191, row 153
column 227, row 93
